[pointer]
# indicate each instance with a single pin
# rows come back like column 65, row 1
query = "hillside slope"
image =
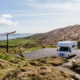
column 52, row 37
column 16, row 68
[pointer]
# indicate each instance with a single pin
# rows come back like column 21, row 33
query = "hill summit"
column 51, row 38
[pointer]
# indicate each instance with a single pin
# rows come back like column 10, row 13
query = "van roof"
column 67, row 41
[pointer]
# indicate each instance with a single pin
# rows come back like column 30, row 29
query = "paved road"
column 46, row 52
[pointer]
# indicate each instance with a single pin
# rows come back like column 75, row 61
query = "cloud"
column 64, row 6
column 5, row 20
column 68, row 5
column 6, row 16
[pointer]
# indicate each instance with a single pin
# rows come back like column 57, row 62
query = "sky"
column 38, row 16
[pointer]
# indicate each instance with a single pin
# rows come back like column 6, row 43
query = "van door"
column 70, row 51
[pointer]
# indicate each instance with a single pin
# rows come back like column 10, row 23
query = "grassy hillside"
column 21, row 45
column 15, row 68
column 18, row 45
column 8, row 63
column 17, row 42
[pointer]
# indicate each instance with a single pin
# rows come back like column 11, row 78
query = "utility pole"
column 64, row 37
column 7, row 43
column 8, row 39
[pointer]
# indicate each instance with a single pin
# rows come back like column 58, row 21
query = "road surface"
column 46, row 52
column 42, row 53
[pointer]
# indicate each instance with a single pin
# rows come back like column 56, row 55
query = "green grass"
column 21, row 45
column 23, row 41
column 5, row 56
column 20, row 41
column 8, row 57
column 34, row 48
column 40, row 47
column 8, row 62
column 17, row 45
column 14, row 50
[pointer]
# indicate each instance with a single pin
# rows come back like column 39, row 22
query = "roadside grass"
column 37, row 73
column 8, row 57
column 75, row 67
column 5, row 56
column 14, row 50
column 51, row 46
column 19, row 41
column 38, row 69
column 8, row 63
column 33, row 48
column 5, row 67
column 52, row 61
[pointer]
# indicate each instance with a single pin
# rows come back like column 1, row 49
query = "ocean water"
column 13, row 36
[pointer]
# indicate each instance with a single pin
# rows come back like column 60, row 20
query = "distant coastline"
column 14, row 36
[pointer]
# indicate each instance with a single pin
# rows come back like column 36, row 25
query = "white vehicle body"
column 67, row 48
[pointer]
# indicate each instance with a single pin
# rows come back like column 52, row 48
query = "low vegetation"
column 21, row 45
column 14, row 50
column 17, row 42
column 16, row 68
column 37, row 73
column 76, row 67
column 17, row 46
column 8, row 63
column 53, row 61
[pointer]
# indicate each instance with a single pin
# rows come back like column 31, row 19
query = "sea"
column 14, row 36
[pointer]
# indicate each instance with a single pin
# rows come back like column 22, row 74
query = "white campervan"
column 67, row 48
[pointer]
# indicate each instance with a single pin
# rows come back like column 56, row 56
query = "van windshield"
column 65, row 49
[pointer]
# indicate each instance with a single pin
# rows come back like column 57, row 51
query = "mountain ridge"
column 71, row 32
